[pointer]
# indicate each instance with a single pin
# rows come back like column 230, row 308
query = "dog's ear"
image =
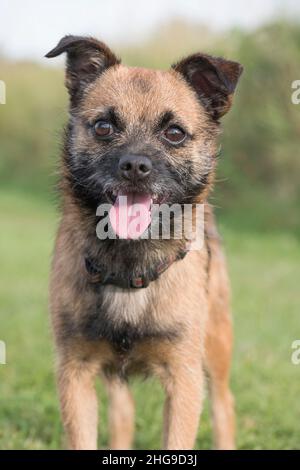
column 87, row 58
column 213, row 78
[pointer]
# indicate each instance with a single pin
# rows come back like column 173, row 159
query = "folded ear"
column 87, row 58
column 214, row 79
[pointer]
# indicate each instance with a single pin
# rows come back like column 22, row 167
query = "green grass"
column 265, row 272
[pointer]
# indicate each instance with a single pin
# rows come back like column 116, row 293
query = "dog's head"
column 147, row 134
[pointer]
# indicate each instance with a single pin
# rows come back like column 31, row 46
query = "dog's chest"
column 125, row 318
column 134, row 329
column 128, row 306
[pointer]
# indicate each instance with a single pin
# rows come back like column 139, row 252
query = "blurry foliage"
column 258, row 178
column 30, row 123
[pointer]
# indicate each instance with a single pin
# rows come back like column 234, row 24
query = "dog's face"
column 147, row 134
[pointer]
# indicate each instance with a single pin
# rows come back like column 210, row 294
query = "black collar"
column 100, row 275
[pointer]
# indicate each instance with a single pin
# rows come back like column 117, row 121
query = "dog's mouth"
column 130, row 214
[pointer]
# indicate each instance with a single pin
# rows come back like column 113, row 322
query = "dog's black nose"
column 134, row 167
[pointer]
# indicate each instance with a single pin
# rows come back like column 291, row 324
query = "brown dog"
column 121, row 306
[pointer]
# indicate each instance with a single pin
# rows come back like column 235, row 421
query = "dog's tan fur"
column 190, row 301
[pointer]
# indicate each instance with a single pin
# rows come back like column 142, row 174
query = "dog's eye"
column 103, row 129
column 174, row 134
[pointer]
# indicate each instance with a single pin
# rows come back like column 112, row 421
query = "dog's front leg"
column 184, row 390
column 78, row 404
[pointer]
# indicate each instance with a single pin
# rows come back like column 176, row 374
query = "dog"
column 130, row 305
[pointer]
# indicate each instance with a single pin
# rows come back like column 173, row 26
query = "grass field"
column 265, row 272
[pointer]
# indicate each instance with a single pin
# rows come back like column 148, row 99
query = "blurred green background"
column 257, row 198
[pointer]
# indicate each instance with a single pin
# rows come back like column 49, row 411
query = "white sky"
column 29, row 29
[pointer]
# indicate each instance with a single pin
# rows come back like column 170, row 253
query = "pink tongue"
column 131, row 214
